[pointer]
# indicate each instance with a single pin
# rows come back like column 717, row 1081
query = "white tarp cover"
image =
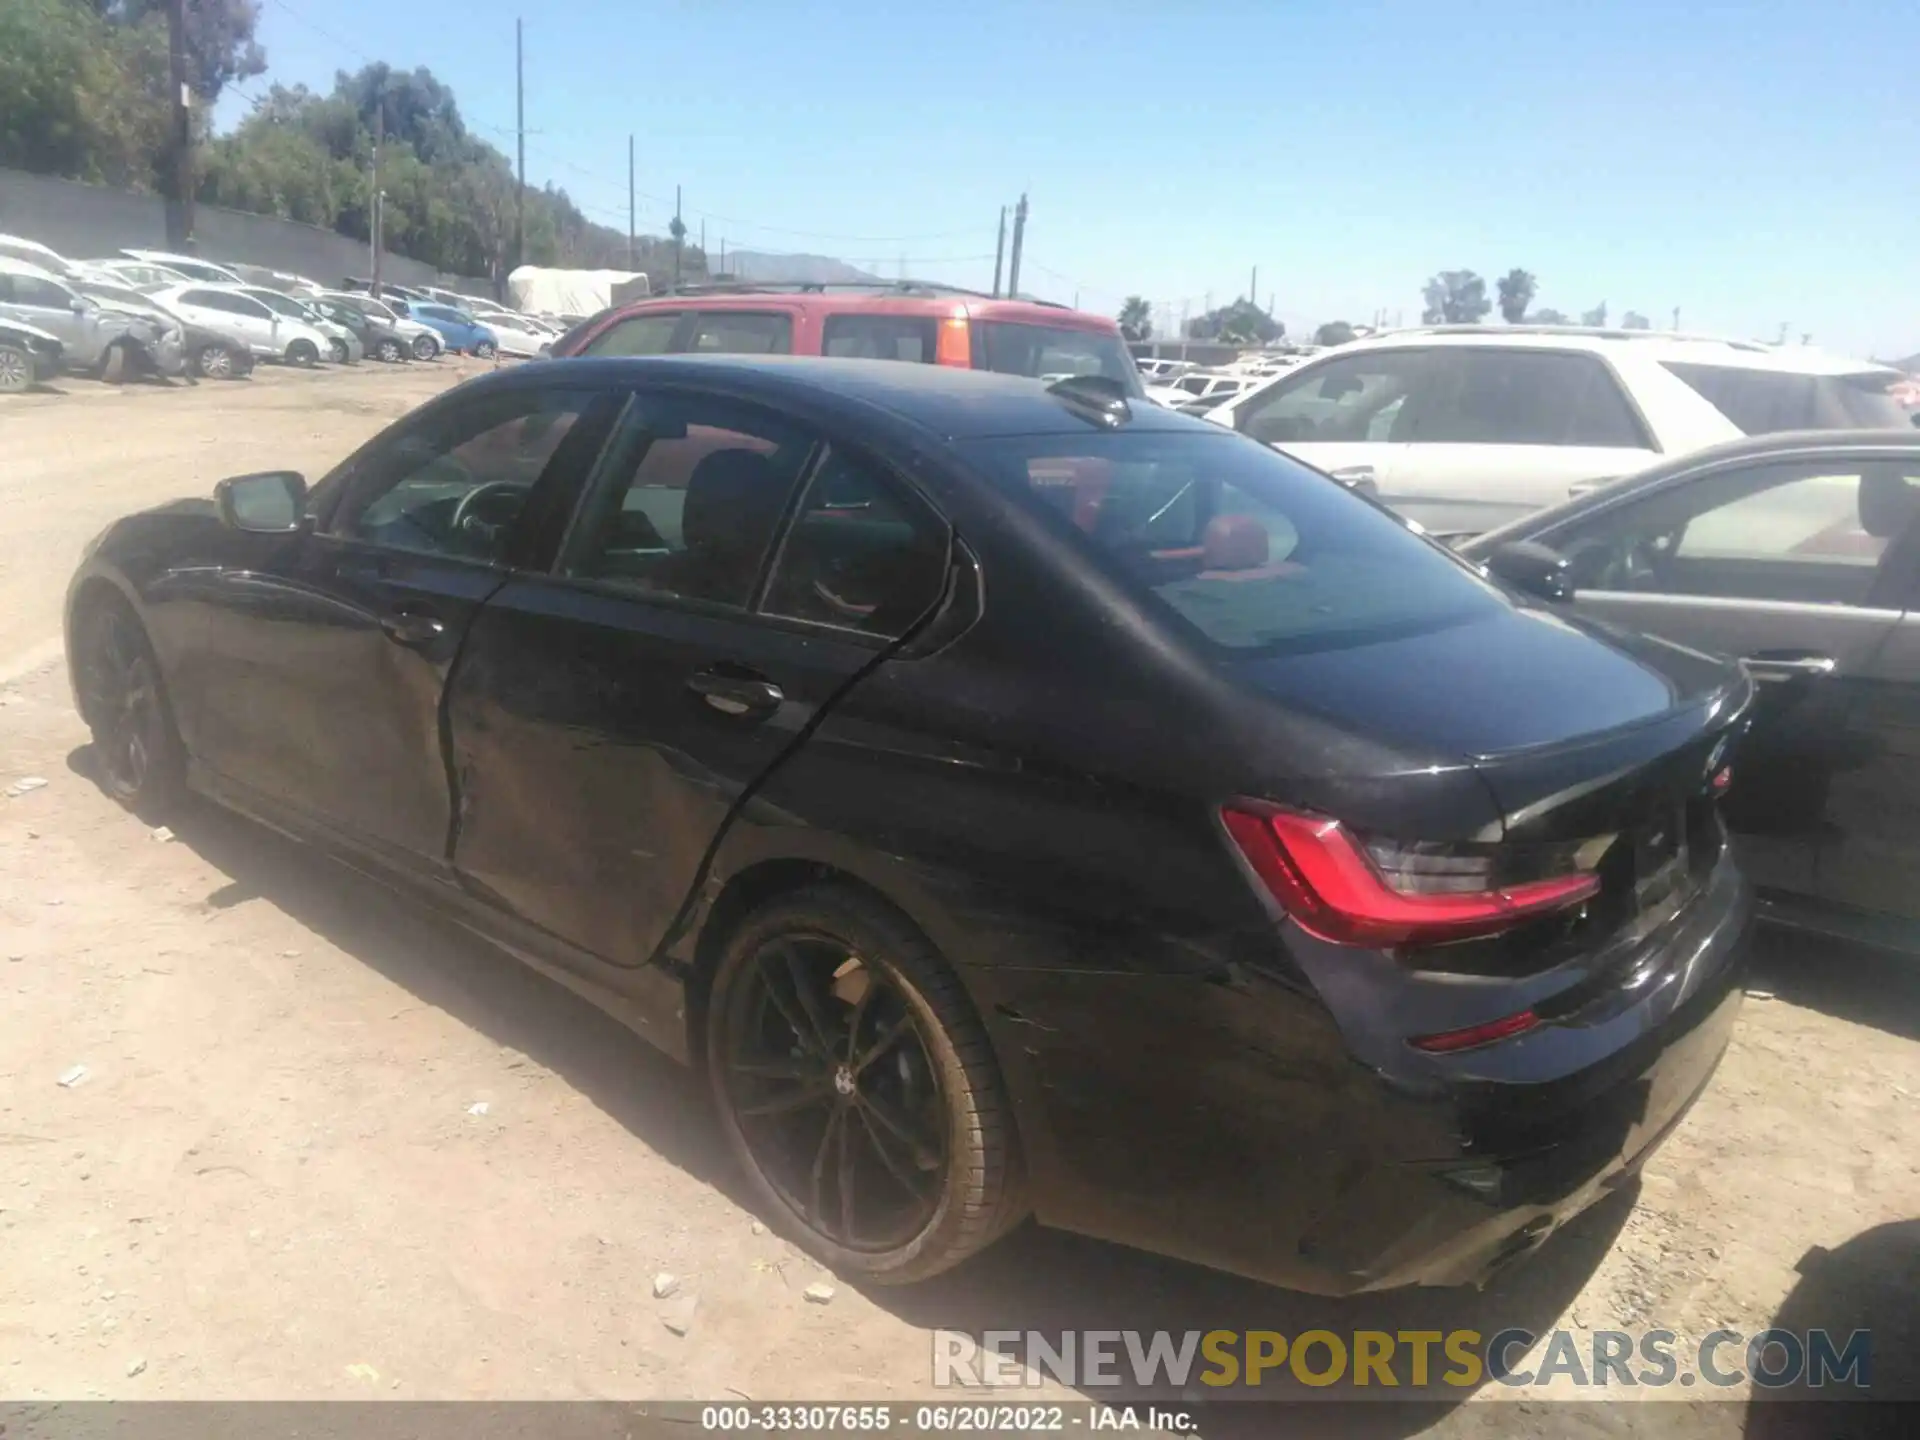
column 541, row 291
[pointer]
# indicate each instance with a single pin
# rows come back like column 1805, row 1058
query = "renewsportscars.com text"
column 1381, row 1359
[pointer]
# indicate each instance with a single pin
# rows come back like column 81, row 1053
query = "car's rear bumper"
column 1232, row 1124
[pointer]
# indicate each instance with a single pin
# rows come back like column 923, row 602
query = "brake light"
column 1448, row 1041
column 1327, row 883
column 954, row 345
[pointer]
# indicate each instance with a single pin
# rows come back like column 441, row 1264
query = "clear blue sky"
column 1751, row 163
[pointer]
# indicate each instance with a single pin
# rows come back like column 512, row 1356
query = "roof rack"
column 821, row 287
column 1601, row 332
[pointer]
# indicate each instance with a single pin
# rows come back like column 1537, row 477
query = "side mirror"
column 270, row 503
column 1536, row 569
column 78, row 304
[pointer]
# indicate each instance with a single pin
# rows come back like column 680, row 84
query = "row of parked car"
column 149, row 312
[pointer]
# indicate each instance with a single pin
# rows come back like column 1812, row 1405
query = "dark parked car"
column 29, row 356
column 1799, row 553
column 1011, row 797
column 380, row 341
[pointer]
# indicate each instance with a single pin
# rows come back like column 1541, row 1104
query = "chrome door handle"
column 737, row 695
column 413, row 628
column 1788, row 667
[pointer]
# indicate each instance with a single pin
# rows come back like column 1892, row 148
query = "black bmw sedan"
column 1013, row 799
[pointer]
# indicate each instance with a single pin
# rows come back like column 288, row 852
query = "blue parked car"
column 459, row 329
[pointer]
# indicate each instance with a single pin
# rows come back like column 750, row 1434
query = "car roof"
column 881, row 298
column 1655, row 345
column 948, row 401
column 26, row 267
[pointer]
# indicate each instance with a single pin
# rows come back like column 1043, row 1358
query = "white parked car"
column 343, row 346
column 32, row 252
column 137, row 273
column 516, row 334
column 1463, row 428
column 268, row 333
column 424, row 340
column 191, row 266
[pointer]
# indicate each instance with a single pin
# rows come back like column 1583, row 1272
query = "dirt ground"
column 328, row 1148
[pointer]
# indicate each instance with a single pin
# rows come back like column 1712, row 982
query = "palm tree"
column 1136, row 319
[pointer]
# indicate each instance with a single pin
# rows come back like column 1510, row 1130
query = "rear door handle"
column 737, row 694
column 1788, row 667
column 414, row 628
column 1357, row 477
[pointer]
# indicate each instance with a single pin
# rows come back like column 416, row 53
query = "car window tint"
column 740, row 332
column 1351, row 398
column 689, row 499
column 44, row 294
column 1521, row 397
column 1810, row 533
column 861, row 554
column 648, row 334
column 880, row 337
column 1250, row 549
column 1763, row 402
column 1013, row 348
column 455, row 484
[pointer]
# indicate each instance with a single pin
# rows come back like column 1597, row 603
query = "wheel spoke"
column 803, row 992
column 785, row 1103
column 888, row 1039
column 800, row 1023
column 925, row 1154
column 859, row 1014
column 783, row 1069
column 910, row 1179
column 820, row 1166
column 845, row 1181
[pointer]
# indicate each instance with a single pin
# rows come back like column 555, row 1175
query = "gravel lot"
column 278, row 1180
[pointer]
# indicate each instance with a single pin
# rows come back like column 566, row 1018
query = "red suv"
column 930, row 324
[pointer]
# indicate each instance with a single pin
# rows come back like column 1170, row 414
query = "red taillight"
column 1451, row 1040
column 954, row 345
column 1322, row 878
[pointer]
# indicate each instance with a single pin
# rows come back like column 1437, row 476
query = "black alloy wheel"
column 858, row 1088
column 123, row 700
column 303, row 353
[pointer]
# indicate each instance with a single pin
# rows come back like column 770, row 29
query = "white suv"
column 1465, row 427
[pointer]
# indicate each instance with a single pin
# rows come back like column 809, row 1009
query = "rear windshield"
column 1762, row 402
column 1249, row 548
column 1051, row 353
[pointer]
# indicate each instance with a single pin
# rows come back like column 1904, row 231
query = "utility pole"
column 999, row 252
column 679, row 232
column 723, row 256
column 1253, row 289
column 1676, row 317
column 629, row 202
column 375, row 202
column 520, row 132
column 703, row 243
column 1019, row 243
column 180, row 208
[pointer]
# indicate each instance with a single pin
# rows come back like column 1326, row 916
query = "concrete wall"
column 91, row 221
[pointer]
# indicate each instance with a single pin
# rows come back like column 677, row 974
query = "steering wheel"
column 1626, row 563
column 467, row 519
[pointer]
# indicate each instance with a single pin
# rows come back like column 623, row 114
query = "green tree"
column 1634, row 320
column 1517, row 289
column 1136, row 318
column 1548, row 317
column 1455, row 297
column 1241, row 323
column 1334, row 332
column 80, row 97
column 219, row 38
column 1595, row 316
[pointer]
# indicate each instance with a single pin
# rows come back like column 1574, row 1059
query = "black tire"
column 485, row 350
column 977, row 1190
column 390, row 351
column 215, row 362
column 425, row 347
column 138, row 757
column 116, row 365
column 303, row 353
column 16, row 369
column 337, row 351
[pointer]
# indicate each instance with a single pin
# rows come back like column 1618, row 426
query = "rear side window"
column 1050, row 352
column 880, row 337
column 741, row 332
column 860, row 555
column 1762, row 402
column 1352, row 398
column 1247, row 548
column 647, row 334
column 1522, row 397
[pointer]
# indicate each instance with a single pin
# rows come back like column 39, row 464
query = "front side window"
column 1012, row 348
column 650, row 333
column 1521, row 397
column 1349, row 399
column 741, row 332
column 456, row 484
column 1246, row 548
column 862, row 554
column 42, row 294
column 691, row 494
column 1803, row 533
column 1764, row 402
column 881, row 337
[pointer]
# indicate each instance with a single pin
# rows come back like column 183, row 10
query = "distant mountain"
column 794, row 269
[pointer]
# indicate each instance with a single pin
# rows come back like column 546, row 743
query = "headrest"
column 733, row 502
column 1234, row 542
column 1887, row 501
